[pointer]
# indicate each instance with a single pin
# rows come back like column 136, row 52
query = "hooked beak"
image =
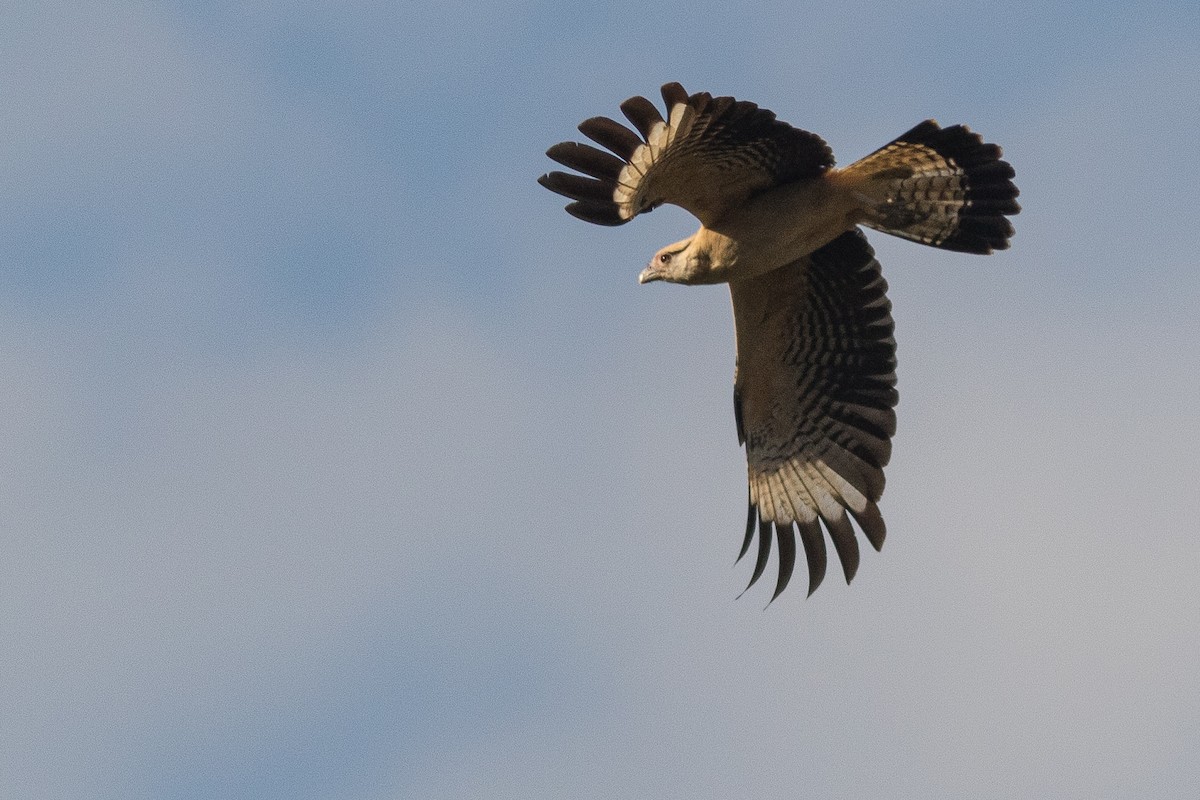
column 650, row 274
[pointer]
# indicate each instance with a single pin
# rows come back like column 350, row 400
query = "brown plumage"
column 814, row 386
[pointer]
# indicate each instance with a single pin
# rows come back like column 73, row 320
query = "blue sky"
column 339, row 462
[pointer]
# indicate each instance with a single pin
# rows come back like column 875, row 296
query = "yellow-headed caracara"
column 815, row 379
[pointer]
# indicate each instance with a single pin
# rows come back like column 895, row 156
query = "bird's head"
column 682, row 262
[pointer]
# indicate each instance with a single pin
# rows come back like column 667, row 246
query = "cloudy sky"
column 338, row 462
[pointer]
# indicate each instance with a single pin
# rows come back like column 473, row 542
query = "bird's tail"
column 943, row 187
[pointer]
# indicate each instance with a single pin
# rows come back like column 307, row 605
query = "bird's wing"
column 708, row 155
column 814, row 395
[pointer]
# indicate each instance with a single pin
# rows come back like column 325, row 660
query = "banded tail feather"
column 943, row 187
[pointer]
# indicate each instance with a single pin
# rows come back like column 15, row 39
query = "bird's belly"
column 783, row 225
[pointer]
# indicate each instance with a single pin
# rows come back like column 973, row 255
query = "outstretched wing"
column 708, row 155
column 814, row 395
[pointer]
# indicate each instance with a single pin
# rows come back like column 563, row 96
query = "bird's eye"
column 664, row 258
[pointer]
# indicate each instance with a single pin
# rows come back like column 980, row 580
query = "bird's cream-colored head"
column 685, row 262
column 705, row 257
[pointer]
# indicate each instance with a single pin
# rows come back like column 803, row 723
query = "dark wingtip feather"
column 642, row 113
column 845, row 544
column 611, row 134
column 750, row 517
column 673, row 94
column 587, row 159
column 596, row 213
column 814, row 553
column 871, row 523
column 577, row 187
column 786, row 537
column 765, row 534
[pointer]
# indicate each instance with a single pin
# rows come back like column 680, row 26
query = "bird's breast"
column 780, row 226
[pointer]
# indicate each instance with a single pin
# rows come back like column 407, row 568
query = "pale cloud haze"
column 339, row 462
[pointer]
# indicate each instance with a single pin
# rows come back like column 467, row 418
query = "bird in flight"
column 814, row 390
